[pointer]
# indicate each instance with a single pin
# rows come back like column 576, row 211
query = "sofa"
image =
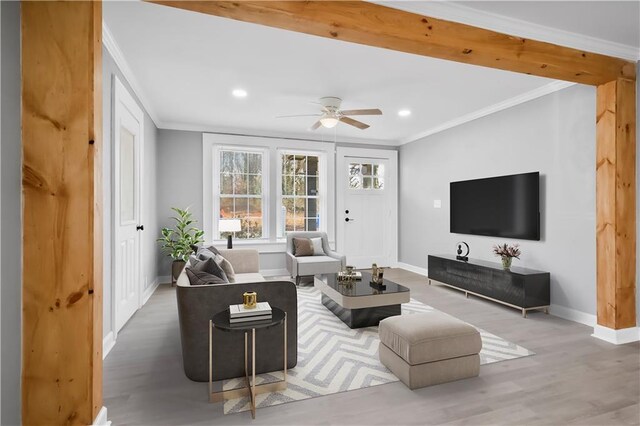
column 197, row 304
column 330, row 262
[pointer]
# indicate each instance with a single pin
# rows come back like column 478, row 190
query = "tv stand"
column 520, row 288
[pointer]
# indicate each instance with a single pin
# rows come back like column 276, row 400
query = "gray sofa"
column 298, row 267
column 197, row 304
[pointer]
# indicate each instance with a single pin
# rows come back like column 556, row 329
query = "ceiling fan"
column 331, row 114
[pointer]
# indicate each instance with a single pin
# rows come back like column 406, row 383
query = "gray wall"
column 149, row 216
column 555, row 135
column 11, row 157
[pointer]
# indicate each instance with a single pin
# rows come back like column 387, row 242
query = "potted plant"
column 507, row 253
column 177, row 242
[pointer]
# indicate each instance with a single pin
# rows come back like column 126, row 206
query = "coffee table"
column 361, row 303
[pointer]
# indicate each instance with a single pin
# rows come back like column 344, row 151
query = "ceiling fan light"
column 329, row 122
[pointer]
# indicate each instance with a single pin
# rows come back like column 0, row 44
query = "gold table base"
column 250, row 389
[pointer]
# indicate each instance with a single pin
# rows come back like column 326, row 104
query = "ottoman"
column 429, row 348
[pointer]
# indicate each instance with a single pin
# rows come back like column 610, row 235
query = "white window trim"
column 272, row 146
column 323, row 194
column 215, row 161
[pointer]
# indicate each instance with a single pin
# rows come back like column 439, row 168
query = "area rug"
column 333, row 358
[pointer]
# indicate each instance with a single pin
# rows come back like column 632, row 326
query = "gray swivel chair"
column 330, row 262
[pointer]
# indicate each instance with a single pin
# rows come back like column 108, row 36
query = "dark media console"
column 520, row 288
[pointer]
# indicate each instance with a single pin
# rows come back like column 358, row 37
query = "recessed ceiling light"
column 239, row 93
column 404, row 112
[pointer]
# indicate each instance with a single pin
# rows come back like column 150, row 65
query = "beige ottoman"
column 429, row 348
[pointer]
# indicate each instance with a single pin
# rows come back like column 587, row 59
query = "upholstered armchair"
column 330, row 262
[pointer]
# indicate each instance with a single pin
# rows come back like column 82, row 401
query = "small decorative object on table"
column 349, row 275
column 249, row 298
column 507, row 253
column 463, row 251
column 377, row 279
column 374, row 269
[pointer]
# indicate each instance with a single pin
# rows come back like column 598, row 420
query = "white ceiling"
column 184, row 65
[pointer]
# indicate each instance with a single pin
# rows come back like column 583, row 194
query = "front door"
column 367, row 206
column 128, row 125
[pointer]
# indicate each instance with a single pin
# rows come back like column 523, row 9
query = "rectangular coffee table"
column 360, row 303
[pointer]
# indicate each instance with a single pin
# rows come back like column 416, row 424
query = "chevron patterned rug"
column 333, row 358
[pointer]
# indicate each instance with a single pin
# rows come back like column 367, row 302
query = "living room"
column 383, row 157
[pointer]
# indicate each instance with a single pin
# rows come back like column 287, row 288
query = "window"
column 368, row 176
column 241, row 191
column 300, row 208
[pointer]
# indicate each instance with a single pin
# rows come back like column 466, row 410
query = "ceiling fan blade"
column 374, row 111
column 299, row 115
column 355, row 123
column 316, row 125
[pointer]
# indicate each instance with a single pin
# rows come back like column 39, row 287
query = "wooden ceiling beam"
column 380, row 26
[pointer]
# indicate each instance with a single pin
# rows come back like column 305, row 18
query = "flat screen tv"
column 504, row 206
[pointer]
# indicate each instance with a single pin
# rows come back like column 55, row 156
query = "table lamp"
column 229, row 225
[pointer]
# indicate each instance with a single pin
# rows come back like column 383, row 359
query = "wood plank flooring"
column 573, row 378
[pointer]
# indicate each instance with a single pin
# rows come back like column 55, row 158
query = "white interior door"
column 367, row 206
column 128, row 136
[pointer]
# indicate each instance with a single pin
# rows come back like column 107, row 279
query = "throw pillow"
column 302, row 247
column 226, row 267
column 196, row 247
column 204, row 252
column 317, row 246
column 208, row 265
column 202, row 278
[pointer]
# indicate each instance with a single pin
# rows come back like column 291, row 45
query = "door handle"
column 346, row 219
column 140, row 228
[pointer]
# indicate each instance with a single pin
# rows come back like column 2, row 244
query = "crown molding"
column 272, row 134
column 112, row 47
column 491, row 109
column 491, row 21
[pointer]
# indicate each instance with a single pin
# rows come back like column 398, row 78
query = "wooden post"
column 616, row 203
column 62, row 220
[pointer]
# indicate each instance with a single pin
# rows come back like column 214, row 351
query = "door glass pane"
column 366, row 184
column 127, row 176
column 366, row 169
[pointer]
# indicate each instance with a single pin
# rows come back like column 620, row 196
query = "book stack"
column 240, row 314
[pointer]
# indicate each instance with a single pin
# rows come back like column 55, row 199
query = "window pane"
column 240, row 184
column 312, row 224
column 312, row 166
column 240, row 162
column 287, row 185
column 226, row 183
column 312, row 185
column 288, row 164
column 367, row 169
column 255, row 207
column 255, row 163
column 312, row 207
column 366, row 183
column 301, row 164
column 249, row 228
column 226, row 165
column 255, row 185
column 226, row 208
column 300, row 185
column 378, row 170
column 378, row 183
column 300, row 207
column 242, row 207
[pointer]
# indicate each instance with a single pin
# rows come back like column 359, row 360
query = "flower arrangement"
column 507, row 253
column 505, row 250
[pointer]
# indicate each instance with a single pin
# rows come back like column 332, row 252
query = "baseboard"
column 149, row 290
column 274, row 272
column 617, row 337
column 101, row 418
column 572, row 315
column 108, row 342
column 411, row 268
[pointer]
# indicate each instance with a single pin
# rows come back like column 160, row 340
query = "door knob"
column 140, row 228
column 346, row 219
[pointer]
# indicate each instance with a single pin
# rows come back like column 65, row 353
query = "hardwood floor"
column 573, row 378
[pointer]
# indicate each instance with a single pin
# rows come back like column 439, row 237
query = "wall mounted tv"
column 504, row 206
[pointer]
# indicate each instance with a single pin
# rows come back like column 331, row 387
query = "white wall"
column 10, row 215
column 149, row 215
column 555, row 135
